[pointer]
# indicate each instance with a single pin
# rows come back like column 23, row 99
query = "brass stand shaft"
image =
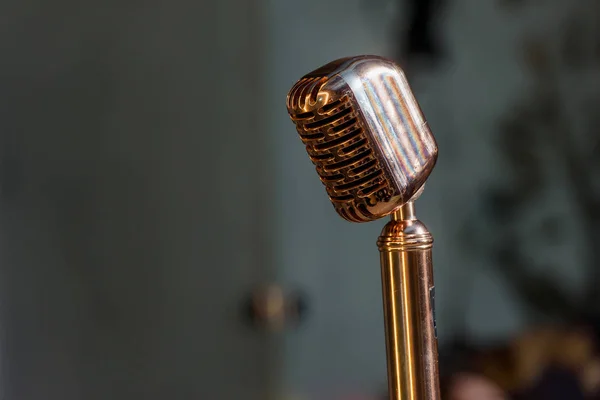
column 408, row 302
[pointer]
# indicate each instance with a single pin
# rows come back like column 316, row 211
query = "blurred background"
column 164, row 235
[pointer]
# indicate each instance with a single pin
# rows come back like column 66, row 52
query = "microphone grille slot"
column 338, row 145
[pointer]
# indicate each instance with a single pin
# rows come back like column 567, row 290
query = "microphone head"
column 365, row 133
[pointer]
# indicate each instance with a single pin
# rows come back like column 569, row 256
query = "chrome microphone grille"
column 372, row 153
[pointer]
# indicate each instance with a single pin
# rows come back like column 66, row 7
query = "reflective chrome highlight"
column 365, row 133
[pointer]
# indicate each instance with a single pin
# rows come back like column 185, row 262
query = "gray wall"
column 129, row 224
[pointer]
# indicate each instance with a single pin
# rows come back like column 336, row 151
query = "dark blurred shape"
column 555, row 384
column 511, row 3
column 420, row 37
column 573, row 48
column 550, row 230
column 500, row 203
column 11, row 173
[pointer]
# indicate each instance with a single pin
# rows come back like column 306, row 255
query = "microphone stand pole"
column 408, row 303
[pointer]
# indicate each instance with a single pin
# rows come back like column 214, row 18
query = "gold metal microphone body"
column 408, row 305
column 372, row 148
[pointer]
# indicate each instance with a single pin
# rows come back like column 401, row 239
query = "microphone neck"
column 404, row 213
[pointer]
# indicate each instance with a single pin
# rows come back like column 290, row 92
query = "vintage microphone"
column 365, row 133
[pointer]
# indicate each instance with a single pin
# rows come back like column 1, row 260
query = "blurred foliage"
column 557, row 122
